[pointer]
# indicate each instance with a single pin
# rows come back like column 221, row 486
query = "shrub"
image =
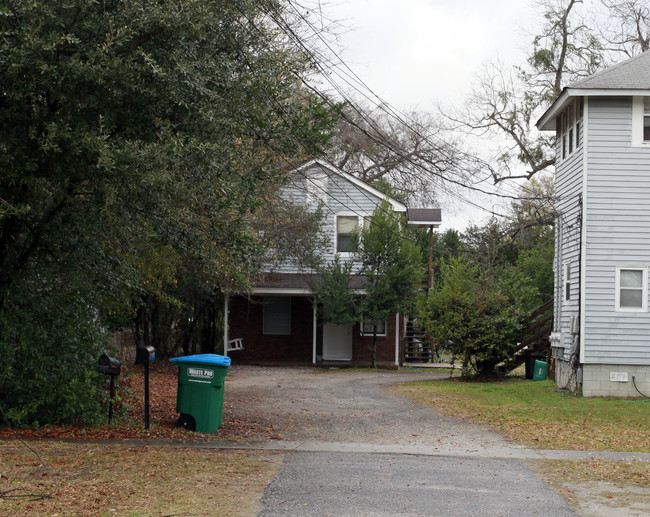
column 477, row 319
column 49, row 344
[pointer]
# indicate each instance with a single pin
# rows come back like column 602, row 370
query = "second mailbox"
column 145, row 355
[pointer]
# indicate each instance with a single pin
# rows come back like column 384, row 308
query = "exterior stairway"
column 416, row 348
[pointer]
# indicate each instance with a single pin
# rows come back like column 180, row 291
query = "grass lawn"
column 92, row 479
column 533, row 413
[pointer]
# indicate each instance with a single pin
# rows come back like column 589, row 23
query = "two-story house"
column 601, row 338
column 278, row 321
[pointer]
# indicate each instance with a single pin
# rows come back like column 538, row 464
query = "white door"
column 337, row 342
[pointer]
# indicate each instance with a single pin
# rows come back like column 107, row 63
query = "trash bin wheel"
column 186, row 421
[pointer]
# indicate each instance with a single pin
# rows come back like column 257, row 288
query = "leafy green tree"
column 390, row 263
column 474, row 318
column 139, row 140
column 387, row 263
column 339, row 303
column 532, row 230
column 490, row 247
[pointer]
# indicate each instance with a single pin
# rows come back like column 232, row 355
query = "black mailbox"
column 145, row 355
column 108, row 365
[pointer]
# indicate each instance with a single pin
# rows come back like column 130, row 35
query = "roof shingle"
column 633, row 74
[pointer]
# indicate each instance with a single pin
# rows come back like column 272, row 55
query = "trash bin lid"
column 213, row 359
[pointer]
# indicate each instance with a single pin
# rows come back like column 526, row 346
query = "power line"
column 449, row 152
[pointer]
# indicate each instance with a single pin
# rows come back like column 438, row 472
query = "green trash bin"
column 199, row 398
column 540, row 370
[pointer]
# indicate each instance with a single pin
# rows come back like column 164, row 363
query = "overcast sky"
column 417, row 53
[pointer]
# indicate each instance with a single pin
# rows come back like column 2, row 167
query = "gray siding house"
column 601, row 337
column 278, row 321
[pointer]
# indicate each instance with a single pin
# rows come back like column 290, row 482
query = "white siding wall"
column 568, row 188
column 318, row 185
column 618, row 233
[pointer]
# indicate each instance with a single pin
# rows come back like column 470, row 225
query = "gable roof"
column 397, row 206
column 630, row 77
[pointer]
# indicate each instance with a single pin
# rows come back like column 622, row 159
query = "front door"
column 337, row 342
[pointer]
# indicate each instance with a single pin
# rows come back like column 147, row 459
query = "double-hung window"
column 368, row 330
column 646, row 119
column 347, row 228
column 277, row 315
column 631, row 289
column 641, row 121
column 569, row 132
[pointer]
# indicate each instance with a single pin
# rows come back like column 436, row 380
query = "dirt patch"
column 92, row 479
column 600, row 488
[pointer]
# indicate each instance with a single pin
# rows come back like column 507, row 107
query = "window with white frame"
column 277, row 315
column 367, row 328
column 632, row 289
column 646, row 119
column 346, row 226
column 569, row 128
column 567, row 282
column 641, row 121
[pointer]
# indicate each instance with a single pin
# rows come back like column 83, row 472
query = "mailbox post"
column 145, row 356
column 111, row 367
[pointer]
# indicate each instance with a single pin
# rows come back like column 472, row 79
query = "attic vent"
column 617, row 376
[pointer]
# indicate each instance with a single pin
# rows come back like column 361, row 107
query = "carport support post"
column 397, row 339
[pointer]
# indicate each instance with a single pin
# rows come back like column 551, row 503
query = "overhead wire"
column 449, row 151
column 289, row 32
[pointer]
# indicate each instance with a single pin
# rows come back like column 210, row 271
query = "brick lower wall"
column 361, row 345
column 246, row 322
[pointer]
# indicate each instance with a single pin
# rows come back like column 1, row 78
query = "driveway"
column 355, row 407
column 357, row 450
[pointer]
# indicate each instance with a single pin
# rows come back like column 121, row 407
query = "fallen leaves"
column 162, row 414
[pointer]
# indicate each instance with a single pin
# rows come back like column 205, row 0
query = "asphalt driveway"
column 357, row 450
